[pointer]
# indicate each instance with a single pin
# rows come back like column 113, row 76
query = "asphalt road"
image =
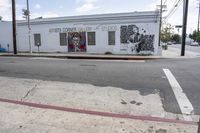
column 147, row 77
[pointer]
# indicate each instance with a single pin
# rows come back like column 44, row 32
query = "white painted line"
column 184, row 103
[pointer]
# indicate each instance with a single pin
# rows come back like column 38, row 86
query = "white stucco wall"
column 51, row 41
column 6, row 35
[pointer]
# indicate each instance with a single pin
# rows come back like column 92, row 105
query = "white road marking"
column 184, row 103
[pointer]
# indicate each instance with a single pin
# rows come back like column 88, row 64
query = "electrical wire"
column 165, row 2
column 177, row 4
column 173, row 8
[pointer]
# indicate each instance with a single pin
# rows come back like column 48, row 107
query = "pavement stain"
column 151, row 129
column 136, row 103
column 161, row 131
column 123, row 102
column 139, row 103
column 131, row 102
column 122, row 122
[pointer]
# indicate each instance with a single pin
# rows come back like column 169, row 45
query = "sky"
column 57, row 8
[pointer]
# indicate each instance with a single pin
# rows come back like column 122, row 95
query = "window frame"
column 94, row 40
column 110, row 40
column 65, row 41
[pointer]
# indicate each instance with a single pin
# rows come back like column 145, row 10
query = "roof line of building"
column 152, row 16
column 101, row 15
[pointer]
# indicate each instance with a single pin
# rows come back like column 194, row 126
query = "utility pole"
column 29, row 28
column 198, row 17
column 185, row 13
column 161, row 10
column 198, row 126
column 14, row 27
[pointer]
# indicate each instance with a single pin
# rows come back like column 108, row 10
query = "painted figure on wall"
column 137, row 39
column 77, row 42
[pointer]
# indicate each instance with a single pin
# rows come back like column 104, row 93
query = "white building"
column 120, row 33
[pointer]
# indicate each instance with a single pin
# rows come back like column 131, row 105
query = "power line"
column 177, row 4
column 173, row 8
column 165, row 2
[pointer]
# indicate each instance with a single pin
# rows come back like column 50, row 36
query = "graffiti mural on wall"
column 77, row 42
column 137, row 38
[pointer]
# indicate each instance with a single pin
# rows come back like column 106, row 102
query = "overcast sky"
column 56, row 8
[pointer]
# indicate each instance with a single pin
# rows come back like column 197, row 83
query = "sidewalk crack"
column 31, row 90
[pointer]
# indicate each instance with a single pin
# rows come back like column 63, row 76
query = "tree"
column 176, row 38
column 195, row 36
column 166, row 32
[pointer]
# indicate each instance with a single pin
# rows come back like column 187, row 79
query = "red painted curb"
column 104, row 114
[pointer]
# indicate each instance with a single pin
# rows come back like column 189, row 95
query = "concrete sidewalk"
column 166, row 54
column 21, row 119
column 82, row 108
column 173, row 52
column 83, row 56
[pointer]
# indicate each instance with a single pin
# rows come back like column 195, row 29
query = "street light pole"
column 14, row 27
column 29, row 28
column 161, row 9
column 185, row 13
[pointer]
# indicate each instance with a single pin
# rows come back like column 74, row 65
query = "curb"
column 92, row 57
column 98, row 113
